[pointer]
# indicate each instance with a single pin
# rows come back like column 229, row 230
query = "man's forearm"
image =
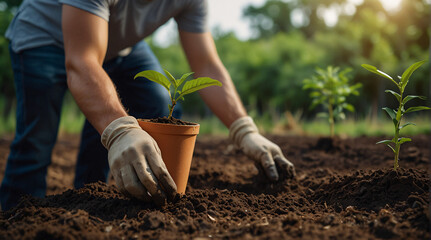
column 85, row 37
column 94, row 93
column 202, row 56
column 223, row 101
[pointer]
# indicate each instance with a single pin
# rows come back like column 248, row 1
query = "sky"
column 225, row 18
column 230, row 18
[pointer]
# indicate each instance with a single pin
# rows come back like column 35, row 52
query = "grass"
column 209, row 126
column 72, row 121
column 365, row 127
column 349, row 127
column 7, row 124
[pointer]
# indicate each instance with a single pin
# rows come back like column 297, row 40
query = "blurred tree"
column 369, row 34
column 268, row 70
column 279, row 16
column 7, row 92
column 9, row 5
column 382, row 38
column 271, row 18
column 12, row 3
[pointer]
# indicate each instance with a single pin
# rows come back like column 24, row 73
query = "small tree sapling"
column 330, row 88
column 177, row 88
column 397, row 114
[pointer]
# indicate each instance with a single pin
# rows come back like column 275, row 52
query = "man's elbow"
column 77, row 67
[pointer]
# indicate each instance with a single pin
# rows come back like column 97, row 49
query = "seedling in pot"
column 178, row 88
column 396, row 114
column 176, row 142
column 331, row 88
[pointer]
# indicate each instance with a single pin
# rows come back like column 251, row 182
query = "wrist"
column 116, row 128
column 240, row 128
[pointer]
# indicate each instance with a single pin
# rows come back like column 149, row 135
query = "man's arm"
column 202, row 56
column 225, row 103
column 133, row 155
column 85, row 42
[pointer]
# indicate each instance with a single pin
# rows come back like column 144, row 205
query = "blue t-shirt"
column 38, row 22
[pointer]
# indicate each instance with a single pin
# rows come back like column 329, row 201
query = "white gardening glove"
column 245, row 136
column 136, row 162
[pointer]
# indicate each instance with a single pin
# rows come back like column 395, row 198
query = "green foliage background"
column 268, row 70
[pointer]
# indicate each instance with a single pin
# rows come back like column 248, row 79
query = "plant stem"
column 397, row 152
column 172, row 109
column 397, row 146
column 331, row 118
column 397, row 131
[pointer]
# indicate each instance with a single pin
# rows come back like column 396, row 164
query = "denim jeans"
column 40, row 82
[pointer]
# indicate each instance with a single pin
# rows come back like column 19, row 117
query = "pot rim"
column 172, row 129
column 148, row 121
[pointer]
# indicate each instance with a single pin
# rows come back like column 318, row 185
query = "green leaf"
column 315, row 94
column 349, row 107
column 316, row 102
column 410, row 97
column 403, row 140
column 322, row 115
column 183, row 78
column 155, row 77
column 407, row 124
column 390, row 112
column 378, row 72
column 407, row 73
column 180, row 97
column 415, row 109
column 341, row 116
column 393, row 150
column 171, row 78
column 338, row 109
column 397, row 95
column 388, row 143
column 354, row 88
column 385, row 141
column 314, row 85
column 197, row 84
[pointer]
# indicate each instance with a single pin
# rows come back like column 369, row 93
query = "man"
column 94, row 48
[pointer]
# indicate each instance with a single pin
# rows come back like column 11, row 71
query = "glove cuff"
column 116, row 128
column 241, row 127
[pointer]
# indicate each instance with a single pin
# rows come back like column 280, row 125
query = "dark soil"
column 173, row 121
column 344, row 189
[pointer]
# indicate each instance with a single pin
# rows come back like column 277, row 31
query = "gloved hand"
column 136, row 162
column 245, row 136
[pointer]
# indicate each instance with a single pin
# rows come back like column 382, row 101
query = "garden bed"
column 344, row 189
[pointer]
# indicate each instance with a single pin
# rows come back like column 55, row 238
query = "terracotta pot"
column 177, row 143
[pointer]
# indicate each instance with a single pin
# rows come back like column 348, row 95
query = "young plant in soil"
column 396, row 114
column 331, row 88
column 177, row 88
